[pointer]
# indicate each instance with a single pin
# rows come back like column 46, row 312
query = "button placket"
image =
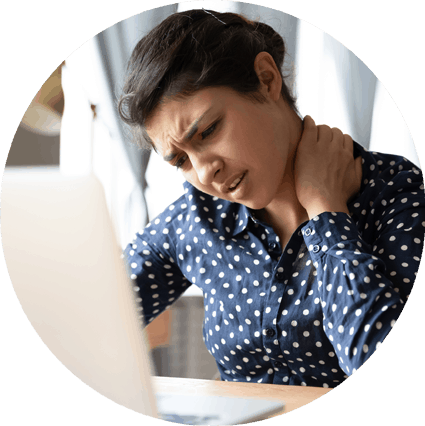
column 270, row 332
column 279, row 275
column 279, row 280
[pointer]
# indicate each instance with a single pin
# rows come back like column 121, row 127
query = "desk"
column 294, row 396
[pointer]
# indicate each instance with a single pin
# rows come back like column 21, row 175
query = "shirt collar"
column 242, row 216
column 240, row 213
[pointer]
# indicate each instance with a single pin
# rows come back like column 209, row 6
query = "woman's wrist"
column 320, row 206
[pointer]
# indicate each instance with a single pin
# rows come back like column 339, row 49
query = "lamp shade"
column 44, row 114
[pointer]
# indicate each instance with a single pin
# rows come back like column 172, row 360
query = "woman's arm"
column 363, row 286
column 156, row 278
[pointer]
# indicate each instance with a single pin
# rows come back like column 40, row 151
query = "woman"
column 304, row 244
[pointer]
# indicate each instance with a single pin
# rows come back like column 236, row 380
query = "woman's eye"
column 180, row 162
column 209, row 131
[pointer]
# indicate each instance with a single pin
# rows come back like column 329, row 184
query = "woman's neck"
column 285, row 213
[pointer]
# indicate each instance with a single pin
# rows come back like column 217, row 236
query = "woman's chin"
column 256, row 203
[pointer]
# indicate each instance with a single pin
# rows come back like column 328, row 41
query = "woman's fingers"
column 326, row 174
column 338, row 136
column 309, row 129
column 324, row 134
column 308, row 122
column 348, row 143
column 334, row 135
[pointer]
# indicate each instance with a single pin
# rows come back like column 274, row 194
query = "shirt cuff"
column 327, row 230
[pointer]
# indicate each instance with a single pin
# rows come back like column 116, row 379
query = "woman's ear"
column 269, row 75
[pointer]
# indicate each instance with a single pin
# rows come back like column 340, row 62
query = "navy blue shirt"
column 309, row 313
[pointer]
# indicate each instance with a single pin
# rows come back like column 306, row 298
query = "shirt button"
column 279, row 276
column 272, row 246
column 278, row 364
column 307, row 232
column 316, row 249
column 270, row 332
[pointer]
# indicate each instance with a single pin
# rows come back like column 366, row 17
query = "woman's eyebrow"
column 169, row 157
column 193, row 129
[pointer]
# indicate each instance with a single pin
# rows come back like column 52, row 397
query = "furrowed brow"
column 193, row 129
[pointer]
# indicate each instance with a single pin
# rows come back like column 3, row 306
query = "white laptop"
column 68, row 273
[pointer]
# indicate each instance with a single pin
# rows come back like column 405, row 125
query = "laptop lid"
column 65, row 266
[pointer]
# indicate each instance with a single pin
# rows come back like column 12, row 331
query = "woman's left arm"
column 363, row 287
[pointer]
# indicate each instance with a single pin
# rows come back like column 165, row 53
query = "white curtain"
column 389, row 131
column 336, row 88
column 91, row 142
column 98, row 143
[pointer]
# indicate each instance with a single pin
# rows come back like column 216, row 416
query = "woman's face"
column 225, row 144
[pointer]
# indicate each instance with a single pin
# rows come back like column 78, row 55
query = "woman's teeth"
column 235, row 182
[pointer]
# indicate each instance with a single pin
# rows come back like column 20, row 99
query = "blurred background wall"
column 72, row 124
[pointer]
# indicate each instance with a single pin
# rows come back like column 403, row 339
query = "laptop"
column 68, row 273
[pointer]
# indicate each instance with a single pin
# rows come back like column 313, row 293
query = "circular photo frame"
column 333, row 86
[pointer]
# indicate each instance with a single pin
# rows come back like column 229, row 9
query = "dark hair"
column 192, row 50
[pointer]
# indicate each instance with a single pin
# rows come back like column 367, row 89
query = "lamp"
column 44, row 114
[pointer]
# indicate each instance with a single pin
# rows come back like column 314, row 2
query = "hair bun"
column 197, row 49
column 273, row 41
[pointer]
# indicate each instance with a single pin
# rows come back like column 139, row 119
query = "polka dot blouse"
column 310, row 313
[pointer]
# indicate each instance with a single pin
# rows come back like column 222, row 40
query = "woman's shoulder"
column 386, row 167
column 391, row 184
column 382, row 170
column 385, row 177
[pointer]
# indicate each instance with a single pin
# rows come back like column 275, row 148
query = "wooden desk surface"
column 293, row 396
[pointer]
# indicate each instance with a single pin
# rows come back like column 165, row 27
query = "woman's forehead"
column 174, row 116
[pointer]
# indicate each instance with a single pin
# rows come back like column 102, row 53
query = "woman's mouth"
column 236, row 182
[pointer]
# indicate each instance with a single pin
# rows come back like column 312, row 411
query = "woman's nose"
column 206, row 170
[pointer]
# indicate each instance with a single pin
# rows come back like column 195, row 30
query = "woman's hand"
column 326, row 174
